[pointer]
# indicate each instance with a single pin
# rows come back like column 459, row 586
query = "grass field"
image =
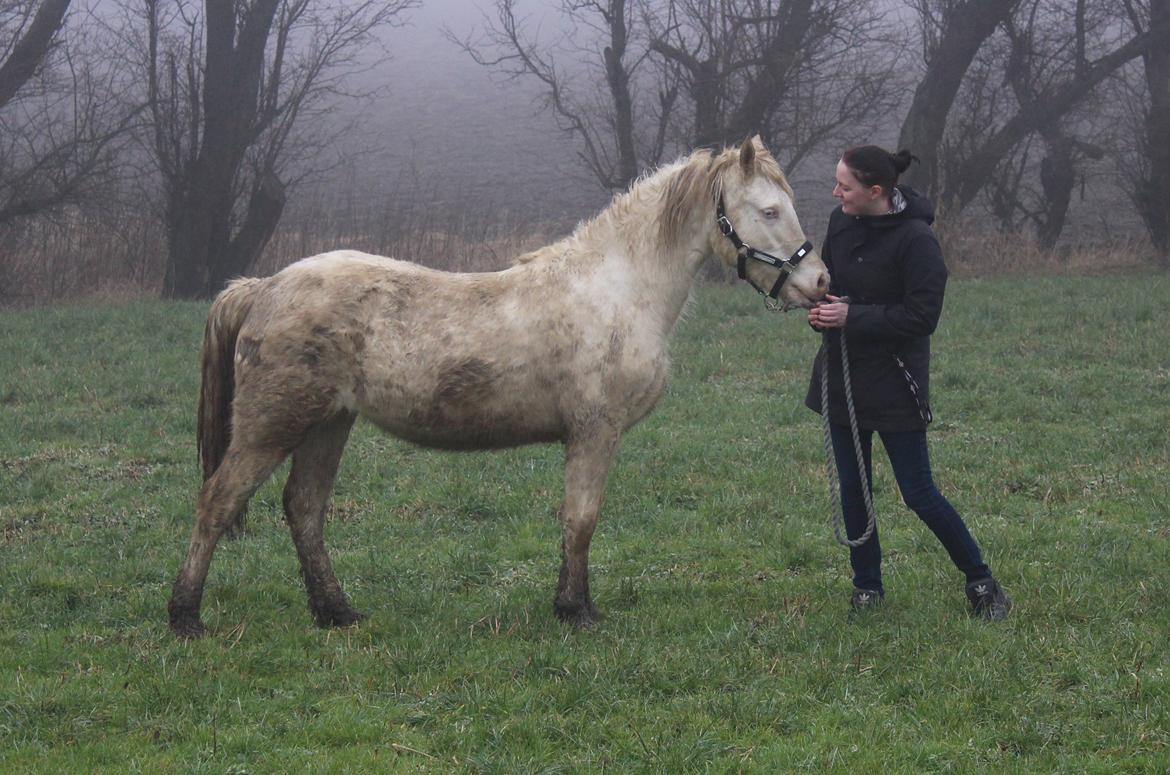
column 727, row 645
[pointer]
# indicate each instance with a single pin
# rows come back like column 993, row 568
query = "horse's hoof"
column 342, row 617
column 581, row 617
column 188, row 628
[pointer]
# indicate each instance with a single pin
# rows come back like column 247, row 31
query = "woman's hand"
column 829, row 313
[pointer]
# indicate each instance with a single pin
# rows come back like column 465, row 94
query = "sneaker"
column 865, row 599
column 988, row 600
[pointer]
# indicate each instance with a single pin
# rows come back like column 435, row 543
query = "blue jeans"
column 911, row 465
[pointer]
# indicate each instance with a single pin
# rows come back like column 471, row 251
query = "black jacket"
column 892, row 270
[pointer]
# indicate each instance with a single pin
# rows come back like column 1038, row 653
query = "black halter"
column 745, row 251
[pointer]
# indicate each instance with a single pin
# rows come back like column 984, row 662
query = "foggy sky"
column 452, row 124
column 481, row 138
column 452, row 132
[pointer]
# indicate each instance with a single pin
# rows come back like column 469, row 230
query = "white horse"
column 569, row 344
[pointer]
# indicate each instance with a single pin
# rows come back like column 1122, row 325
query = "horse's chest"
column 635, row 389
column 645, row 401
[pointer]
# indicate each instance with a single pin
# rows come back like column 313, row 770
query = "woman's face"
column 855, row 198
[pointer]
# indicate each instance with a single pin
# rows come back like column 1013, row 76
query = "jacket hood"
column 918, row 207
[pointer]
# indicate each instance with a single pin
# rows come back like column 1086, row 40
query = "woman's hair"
column 875, row 166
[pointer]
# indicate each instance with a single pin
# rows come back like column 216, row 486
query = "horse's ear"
column 747, row 156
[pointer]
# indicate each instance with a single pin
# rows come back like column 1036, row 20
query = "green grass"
column 726, row 647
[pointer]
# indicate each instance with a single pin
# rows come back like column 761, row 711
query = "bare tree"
column 701, row 67
column 36, row 32
column 1149, row 191
column 1066, row 88
column 952, row 33
column 602, row 46
column 1040, row 49
column 801, row 73
column 1054, row 56
column 796, row 71
column 60, row 116
column 229, row 87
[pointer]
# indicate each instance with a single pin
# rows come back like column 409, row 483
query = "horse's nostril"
column 822, row 282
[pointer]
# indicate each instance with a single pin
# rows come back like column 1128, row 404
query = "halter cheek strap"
column 745, row 251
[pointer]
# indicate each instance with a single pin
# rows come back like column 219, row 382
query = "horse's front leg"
column 587, row 460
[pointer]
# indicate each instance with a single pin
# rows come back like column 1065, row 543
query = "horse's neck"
column 627, row 238
column 668, row 276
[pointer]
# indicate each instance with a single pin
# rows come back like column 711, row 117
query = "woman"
column 888, row 280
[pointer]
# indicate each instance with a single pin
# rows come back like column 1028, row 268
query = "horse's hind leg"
column 306, row 499
column 224, row 495
column 587, row 461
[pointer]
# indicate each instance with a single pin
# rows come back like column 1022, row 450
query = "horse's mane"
column 700, row 182
column 676, row 190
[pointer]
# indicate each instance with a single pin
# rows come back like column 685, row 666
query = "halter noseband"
column 744, row 251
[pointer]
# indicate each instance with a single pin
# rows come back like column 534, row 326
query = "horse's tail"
column 224, row 320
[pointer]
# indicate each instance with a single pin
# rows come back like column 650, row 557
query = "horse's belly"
column 445, row 421
column 468, row 401
column 450, row 431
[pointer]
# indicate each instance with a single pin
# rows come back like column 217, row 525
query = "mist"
column 426, row 140
column 464, row 139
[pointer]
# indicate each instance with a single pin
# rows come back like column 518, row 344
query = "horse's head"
column 758, row 231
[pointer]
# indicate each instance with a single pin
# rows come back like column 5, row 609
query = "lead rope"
column 838, row 518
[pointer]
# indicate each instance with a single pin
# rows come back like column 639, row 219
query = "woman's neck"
column 880, row 206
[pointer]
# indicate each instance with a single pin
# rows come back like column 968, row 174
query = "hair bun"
column 902, row 159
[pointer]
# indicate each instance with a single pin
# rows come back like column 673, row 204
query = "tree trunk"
column 28, row 52
column 265, row 207
column 965, row 28
column 704, row 86
column 187, row 250
column 618, row 80
column 1058, row 177
column 1153, row 196
column 779, row 60
column 976, row 170
column 203, row 254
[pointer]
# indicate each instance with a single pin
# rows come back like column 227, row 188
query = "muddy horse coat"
column 568, row 345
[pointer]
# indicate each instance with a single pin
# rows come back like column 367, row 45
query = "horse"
column 569, row 344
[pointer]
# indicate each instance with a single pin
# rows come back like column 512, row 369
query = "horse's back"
column 442, row 359
column 453, row 360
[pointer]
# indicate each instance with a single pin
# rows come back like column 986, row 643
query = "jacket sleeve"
column 827, row 260
column 924, row 281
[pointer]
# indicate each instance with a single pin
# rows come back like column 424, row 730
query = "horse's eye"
column 771, row 213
